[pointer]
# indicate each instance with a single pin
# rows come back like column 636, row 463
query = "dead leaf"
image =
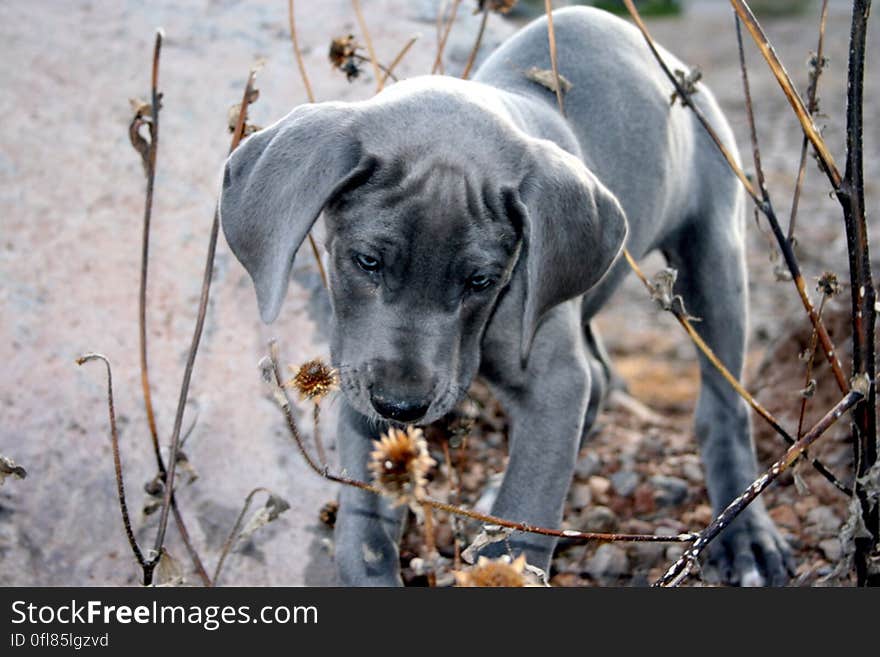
column 546, row 79
column 270, row 511
column 9, row 468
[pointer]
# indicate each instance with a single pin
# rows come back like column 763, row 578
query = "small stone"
column 830, row 547
column 587, row 466
column 669, row 491
column 625, row 482
column 608, row 564
column 674, row 552
column 599, row 519
column 581, row 496
column 699, row 517
column 599, row 487
column 786, row 517
column 692, row 469
column 646, row 555
column 823, row 521
column 643, row 500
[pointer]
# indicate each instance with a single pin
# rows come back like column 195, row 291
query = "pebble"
column 646, row 555
column 692, row 469
column 608, row 564
column 786, row 517
column 581, row 496
column 823, row 521
column 830, row 547
column 643, row 500
column 599, row 487
column 625, row 482
column 669, row 491
column 599, row 519
column 587, row 466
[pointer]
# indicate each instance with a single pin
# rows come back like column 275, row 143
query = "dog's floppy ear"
column 574, row 230
column 275, row 186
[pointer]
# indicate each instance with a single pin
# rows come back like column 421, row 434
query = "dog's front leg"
column 367, row 527
column 546, row 403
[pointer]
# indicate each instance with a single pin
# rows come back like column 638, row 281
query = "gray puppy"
column 473, row 229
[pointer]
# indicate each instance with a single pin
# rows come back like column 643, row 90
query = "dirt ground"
column 71, row 201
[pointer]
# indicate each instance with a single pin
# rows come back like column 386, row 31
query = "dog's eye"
column 479, row 282
column 367, row 263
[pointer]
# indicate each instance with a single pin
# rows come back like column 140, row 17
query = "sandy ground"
column 71, row 197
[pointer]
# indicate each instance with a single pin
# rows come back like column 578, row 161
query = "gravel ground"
column 71, row 196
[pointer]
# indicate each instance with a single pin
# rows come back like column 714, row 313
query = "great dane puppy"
column 472, row 229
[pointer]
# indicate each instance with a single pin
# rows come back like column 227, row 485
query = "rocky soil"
column 71, row 198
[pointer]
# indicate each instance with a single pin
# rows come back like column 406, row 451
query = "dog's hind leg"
column 709, row 257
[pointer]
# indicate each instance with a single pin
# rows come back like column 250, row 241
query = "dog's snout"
column 400, row 410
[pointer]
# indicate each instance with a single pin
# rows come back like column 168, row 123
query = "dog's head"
column 433, row 202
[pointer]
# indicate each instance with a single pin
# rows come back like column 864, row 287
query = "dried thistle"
column 501, row 572
column 327, row 514
column 400, row 464
column 314, row 380
column 343, row 55
column 828, row 284
column 499, row 6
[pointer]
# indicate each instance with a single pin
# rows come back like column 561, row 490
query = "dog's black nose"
column 400, row 410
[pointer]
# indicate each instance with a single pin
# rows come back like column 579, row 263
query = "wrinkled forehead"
column 409, row 201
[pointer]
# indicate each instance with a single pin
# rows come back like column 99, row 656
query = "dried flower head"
column 314, row 380
column 400, row 464
column 501, row 572
column 828, row 284
column 343, row 55
column 328, row 512
column 500, row 6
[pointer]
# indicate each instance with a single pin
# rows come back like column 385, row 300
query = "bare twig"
column 682, row 567
column 818, row 65
column 473, row 56
column 319, row 444
column 230, row 540
column 356, row 5
column 441, row 46
column 297, row 53
column 272, row 375
column 797, row 104
column 237, row 136
column 864, row 301
column 551, row 36
column 394, row 62
column 146, row 566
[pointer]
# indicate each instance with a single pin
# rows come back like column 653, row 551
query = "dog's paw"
column 752, row 552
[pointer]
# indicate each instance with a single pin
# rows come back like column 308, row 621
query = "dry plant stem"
column 430, row 547
column 438, row 60
column 551, row 36
column 227, row 545
column 297, row 53
column 765, row 207
column 681, row 568
column 452, row 476
column 319, row 444
column 812, row 107
column 356, row 5
column 852, row 197
column 808, row 376
column 733, row 381
column 147, row 566
column 812, row 133
column 394, row 62
column 284, row 403
column 473, row 56
column 197, row 333
column 145, row 248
